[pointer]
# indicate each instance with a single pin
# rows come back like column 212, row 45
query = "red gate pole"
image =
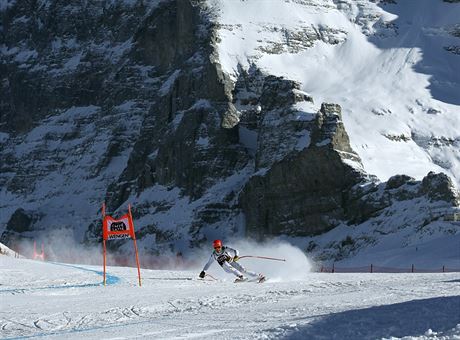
column 103, row 240
column 135, row 246
column 103, row 245
column 137, row 262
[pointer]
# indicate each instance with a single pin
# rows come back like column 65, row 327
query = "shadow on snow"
column 413, row 317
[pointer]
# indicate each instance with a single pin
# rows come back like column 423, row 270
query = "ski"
column 259, row 279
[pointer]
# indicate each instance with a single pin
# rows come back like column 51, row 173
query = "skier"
column 227, row 258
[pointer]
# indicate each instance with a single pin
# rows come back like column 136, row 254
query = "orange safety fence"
column 382, row 269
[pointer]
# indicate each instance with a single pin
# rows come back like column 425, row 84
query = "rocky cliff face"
column 403, row 212
column 306, row 192
column 127, row 102
column 123, row 96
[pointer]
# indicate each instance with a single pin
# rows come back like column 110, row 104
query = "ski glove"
column 236, row 258
column 223, row 258
column 202, row 274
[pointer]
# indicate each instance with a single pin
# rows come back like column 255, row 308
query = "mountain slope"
column 228, row 119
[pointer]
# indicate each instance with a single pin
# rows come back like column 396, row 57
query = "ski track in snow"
column 53, row 301
column 110, row 279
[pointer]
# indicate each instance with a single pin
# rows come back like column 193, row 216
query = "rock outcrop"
column 305, row 193
column 19, row 226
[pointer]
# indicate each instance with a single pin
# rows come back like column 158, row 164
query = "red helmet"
column 217, row 243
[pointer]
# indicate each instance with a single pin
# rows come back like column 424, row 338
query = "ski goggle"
column 218, row 247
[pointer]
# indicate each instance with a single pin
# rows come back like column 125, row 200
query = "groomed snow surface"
column 47, row 300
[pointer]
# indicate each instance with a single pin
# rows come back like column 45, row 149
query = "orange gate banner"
column 116, row 228
column 122, row 227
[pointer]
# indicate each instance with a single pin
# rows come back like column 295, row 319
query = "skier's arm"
column 208, row 264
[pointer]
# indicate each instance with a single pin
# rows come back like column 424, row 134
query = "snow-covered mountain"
column 393, row 66
column 333, row 124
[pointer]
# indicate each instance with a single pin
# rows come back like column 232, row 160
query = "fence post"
column 372, row 268
column 443, row 269
column 333, row 267
column 412, row 268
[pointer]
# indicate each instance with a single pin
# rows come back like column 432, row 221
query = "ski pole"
column 212, row 277
column 263, row 257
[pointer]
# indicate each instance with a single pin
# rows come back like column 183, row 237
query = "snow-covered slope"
column 387, row 63
column 55, row 301
column 5, row 251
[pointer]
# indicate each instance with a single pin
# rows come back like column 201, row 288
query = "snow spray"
column 296, row 267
